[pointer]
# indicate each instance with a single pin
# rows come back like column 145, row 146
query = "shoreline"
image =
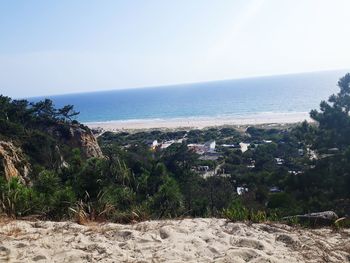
column 201, row 122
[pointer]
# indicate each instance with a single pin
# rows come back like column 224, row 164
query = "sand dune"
column 189, row 240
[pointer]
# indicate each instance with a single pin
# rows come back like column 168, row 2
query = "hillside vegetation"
column 62, row 173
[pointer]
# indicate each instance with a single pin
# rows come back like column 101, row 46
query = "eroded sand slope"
column 189, row 240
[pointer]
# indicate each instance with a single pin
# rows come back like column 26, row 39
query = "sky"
column 57, row 47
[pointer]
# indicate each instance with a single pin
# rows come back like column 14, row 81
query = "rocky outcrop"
column 78, row 136
column 87, row 142
column 13, row 162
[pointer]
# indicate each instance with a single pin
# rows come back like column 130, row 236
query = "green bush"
column 236, row 212
column 134, row 214
column 59, row 203
column 258, row 216
column 122, row 198
column 168, row 201
column 55, row 198
column 47, row 182
column 284, row 203
column 89, row 209
column 16, row 199
column 342, row 223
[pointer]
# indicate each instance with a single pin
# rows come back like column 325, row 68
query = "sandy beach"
column 188, row 240
column 201, row 122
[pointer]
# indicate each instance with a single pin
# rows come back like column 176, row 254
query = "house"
column 203, row 168
column 267, row 141
column 163, row 145
column 210, row 146
column 275, row 189
column 166, row 144
column 312, row 154
column 231, row 146
column 244, row 146
column 241, row 190
column 197, row 148
column 251, row 164
column 300, row 152
column 206, row 150
column 294, row 172
column 203, row 148
column 279, row 161
column 228, row 145
column 154, row 145
column 333, row 150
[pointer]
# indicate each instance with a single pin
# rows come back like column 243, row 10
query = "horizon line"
column 185, row 83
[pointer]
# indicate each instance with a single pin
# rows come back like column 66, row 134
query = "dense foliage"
column 285, row 170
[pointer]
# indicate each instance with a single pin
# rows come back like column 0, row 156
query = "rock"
column 13, row 162
column 21, row 245
column 124, row 235
column 4, row 254
column 250, row 243
column 39, row 257
column 77, row 136
column 164, row 233
column 288, row 240
column 325, row 218
column 329, row 215
column 88, row 143
column 4, row 251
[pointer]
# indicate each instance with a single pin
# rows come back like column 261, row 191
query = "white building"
column 241, row 190
column 203, row 148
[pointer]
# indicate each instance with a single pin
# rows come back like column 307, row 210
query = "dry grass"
column 10, row 228
column 14, row 231
column 4, row 220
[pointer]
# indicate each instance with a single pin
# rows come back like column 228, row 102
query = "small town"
column 220, row 152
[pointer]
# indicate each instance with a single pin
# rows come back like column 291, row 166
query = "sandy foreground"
column 263, row 118
column 188, row 240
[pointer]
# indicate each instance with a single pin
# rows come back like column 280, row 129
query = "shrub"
column 16, row 199
column 236, row 212
column 168, row 201
column 135, row 214
column 47, row 182
column 54, row 198
column 122, row 198
column 92, row 210
column 59, row 203
column 342, row 223
column 258, row 216
column 284, row 203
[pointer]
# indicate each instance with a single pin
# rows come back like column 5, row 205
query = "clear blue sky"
column 54, row 47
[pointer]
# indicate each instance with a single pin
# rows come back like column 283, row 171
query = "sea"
column 294, row 93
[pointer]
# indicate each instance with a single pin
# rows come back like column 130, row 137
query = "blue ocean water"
column 241, row 97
